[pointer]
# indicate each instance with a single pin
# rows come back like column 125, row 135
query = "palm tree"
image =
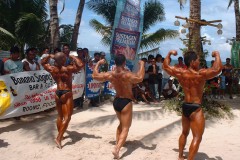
column 77, row 24
column 54, row 24
column 21, row 22
column 153, row 13
column 66, row 32
column 237, row 16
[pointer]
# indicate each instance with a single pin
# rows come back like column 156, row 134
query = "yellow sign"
column 5, row 98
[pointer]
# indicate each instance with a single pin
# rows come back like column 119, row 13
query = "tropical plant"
column 237, row 17
column 66, row 32
column 21, row 22
column 153, row 13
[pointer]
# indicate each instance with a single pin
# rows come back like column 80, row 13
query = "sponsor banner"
column 108, row 87
column 127, row 29
column 132, row 9
column 92, row 86
column 125, row 42
column 129, row 22
column 235, row 51
column 31, row 92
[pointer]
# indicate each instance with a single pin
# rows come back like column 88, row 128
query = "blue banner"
column 127, row 29
column 92, row 85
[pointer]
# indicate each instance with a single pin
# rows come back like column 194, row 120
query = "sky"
column 211, row 10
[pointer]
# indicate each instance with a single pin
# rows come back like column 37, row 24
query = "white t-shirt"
column 165, row 74
column 167, row 87
column 33, row 66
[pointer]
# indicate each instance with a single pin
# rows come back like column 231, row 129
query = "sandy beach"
column 91, row 135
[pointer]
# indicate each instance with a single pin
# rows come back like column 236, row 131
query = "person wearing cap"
column 170, row 90
column 14, row 64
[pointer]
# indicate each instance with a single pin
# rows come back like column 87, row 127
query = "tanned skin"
column 122, row 80
column 192, row 80
column 63, row 77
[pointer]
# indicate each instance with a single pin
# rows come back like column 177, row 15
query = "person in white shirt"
column 159, row 64
column 29, row 63
column 170, row 90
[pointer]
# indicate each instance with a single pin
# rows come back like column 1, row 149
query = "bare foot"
column 180, row 158
column 58, row 144
column 115, row 153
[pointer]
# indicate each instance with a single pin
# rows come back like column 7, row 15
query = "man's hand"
column 102, row 61
column 215, row 53
column 141, row 62
column 173, row 52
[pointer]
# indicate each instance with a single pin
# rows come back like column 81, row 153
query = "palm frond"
column 28, row 27
column 5, row 32
column 153, row 13
column 230, row 3
column 152, row 40
column 182, row 2
column 106, row 9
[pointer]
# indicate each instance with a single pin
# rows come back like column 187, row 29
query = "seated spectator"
column 13, row 65
column 144, row 93
column 170, row 90
column 1, row 67
column 29, row 63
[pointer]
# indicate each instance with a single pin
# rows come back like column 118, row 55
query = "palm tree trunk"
column 194, row 30
column 77, row 24
column 54, row 24
column 237, row 16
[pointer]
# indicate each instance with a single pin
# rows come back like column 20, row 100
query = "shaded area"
column 3, row 144
column 109, row 119
column 75, row 137
column 201, row 156
column 36, row 124
column 133, row 145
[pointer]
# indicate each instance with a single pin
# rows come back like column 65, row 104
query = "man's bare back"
column 192, row 81
column 122, row 80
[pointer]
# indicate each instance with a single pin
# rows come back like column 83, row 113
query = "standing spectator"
column 165, row 75
column 29, row 63
column 145, row 67
column 103, row 67
column 1, row 67
column 94, row 101
column 45, row 53
column 13, row 65
column 159, row 64
column 66, row 51
column 86, row 55
column 228, row 74
column 180, row 63
column 56, row 50
column 153, row 78
column 222, row 84
column 170, row 90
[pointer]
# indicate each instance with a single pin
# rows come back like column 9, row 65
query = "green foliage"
column 153, row 13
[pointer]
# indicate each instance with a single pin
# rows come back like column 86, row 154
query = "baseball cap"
column 79, row 49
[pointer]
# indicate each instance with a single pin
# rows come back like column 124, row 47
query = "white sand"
column 91, row 136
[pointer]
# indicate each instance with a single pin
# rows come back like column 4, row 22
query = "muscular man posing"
column 122, row 80
column 192, row 80
column 64, row 98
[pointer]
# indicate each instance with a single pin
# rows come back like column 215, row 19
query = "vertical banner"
column 127, row 29
column 235, row 51
column 31, row 92
column 92, row 85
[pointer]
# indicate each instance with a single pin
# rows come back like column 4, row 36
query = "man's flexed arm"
column 77, row 64
column 103, row 76
column 138, row 77
column 166, row 64
column 45, row 63
column 216, row 68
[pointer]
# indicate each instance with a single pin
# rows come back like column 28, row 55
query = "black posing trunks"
column 120, row 103
column 189, row 108
column 59, row 93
